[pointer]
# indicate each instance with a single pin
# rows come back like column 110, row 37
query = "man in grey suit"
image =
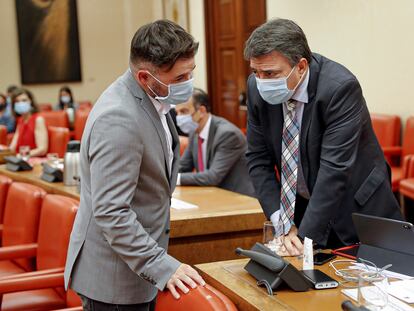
column 216, row 148
column 117, row 258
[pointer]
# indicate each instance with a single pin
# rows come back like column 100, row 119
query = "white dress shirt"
column 301, row 96
column 162, row 110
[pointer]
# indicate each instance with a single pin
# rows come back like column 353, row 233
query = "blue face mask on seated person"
column 275, row 91
column 178, row 93
column 22, row 107
column 186, row 123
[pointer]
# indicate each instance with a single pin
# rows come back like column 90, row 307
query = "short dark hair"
column 281, row 35
column 162, row 43
column 20, row 91
column 200, row 98
column 11, row 89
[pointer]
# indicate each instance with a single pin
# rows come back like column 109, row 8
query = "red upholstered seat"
column 407, row 187
column 401, row 153
column 81, row 115
column 56, row 221
column 58, row 139
column 5, row 183
column 55, row 118
column 20, row 223
column 183, row 144
column 205, row 298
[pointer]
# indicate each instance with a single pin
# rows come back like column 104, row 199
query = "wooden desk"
column 230, row 278
column 223, row 221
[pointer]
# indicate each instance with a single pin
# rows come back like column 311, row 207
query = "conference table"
column 223, row 220
column 230, row 278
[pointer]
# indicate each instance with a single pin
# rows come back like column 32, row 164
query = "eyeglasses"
column 351, row 275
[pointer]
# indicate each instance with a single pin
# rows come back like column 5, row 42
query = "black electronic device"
column 319, row 279
column 17, row 164
column 271, row 270
column 386, row 241
column 51, row 174
column 322, row 258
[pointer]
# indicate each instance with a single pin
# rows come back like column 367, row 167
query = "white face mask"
column 275, row 91
column 186, row 123
column 178, row 93
column 22, row 107
column 65, row 99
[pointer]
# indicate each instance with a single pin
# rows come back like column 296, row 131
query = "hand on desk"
column 184, row 274
column 293, row 245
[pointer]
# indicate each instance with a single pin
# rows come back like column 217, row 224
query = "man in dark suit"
column 216, row 148
column 307, row 117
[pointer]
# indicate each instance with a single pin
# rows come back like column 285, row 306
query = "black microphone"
column 272, row 263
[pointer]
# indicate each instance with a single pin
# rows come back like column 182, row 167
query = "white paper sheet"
column 403, row 290
column 179, row 204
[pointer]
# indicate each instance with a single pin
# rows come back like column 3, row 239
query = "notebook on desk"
column 385, row 241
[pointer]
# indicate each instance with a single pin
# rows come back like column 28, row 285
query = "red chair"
column 85, row 104
column 387, row 128
column 45, row 107
column 20, row 225
column 58, row 139
column 81, row 115
column 56, row 221
column 400, row 153
column 5, row 183
column 55, row 118
column 3, row 135
column 183, row 144
column 201, row 298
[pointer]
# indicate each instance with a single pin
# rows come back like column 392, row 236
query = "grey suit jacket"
column 226, row 162
column 117, row 251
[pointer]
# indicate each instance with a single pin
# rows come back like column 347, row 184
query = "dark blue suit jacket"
column 343, row 165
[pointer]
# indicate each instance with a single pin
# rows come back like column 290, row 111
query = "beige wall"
column 373, row 38
column 105, row 31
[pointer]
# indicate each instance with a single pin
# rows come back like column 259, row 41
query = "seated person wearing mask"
column 5, row 119
column 216, row 148
column 31, row 128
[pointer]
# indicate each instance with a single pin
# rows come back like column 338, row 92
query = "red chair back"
column 408, row 140
column 58, row 139
column 45, row 107
column 85, row 104
column 205, row 298
column 81, row 115
column 5, row 183
column 55, row 118
column 183, row 144
column 387, row 128
column 3, row 135
column 56, row 221
column 21, row 217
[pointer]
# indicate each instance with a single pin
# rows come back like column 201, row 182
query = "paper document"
column 403, row 290
column 393, row 303
column 178, row 204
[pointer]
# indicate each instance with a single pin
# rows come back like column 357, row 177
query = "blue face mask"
column 65, row 99
column 178, row 93
column 22, row 107
column 275, row 91
column 186, row 123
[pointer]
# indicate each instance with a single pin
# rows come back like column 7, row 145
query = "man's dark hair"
column 281, row 35
column 162, row 43
column 11, row 89
column 200, row 98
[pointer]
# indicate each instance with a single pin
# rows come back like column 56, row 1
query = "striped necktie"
column 290, row 156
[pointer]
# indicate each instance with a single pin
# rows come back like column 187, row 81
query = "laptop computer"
column 385, row 241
